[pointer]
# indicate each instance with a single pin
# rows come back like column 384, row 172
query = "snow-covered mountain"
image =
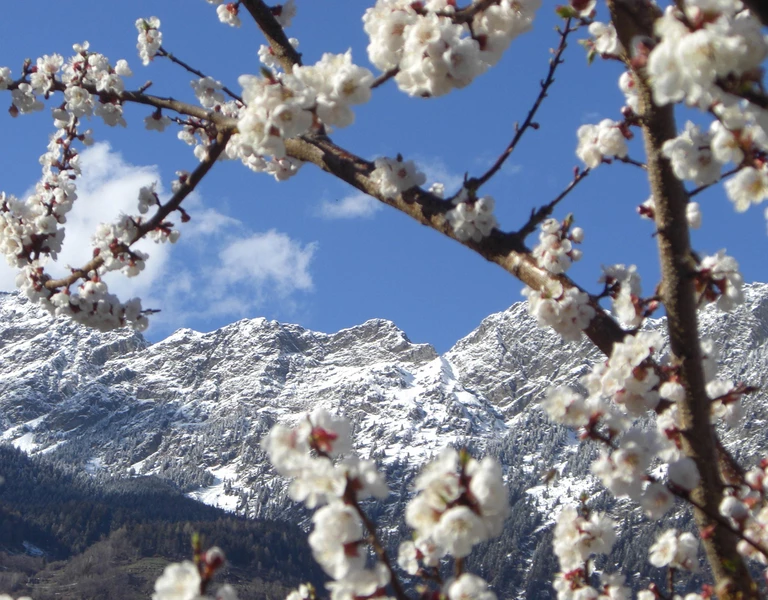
column 193, row 407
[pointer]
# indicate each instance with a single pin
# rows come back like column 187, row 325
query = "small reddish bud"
column 214, row 557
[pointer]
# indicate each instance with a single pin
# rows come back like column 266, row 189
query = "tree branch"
column 507, row 250
column 286, row 54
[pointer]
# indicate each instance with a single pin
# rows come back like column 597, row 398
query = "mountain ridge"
column 191, row 409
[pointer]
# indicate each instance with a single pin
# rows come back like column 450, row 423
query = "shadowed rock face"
column 192, row 408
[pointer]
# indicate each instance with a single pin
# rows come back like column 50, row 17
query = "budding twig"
column 725, row 175
column 163, row 52
column 538, row 216
column 554, row 62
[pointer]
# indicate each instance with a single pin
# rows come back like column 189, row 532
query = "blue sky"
column 309, row 250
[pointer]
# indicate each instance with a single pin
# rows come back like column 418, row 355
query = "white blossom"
column 150, row 38
column 472, row 219
column 568, row 312
column 469, row 587
column 229, row 14
column 179, row 581
column 599, row 141
column 395, row 176
column 677, row 550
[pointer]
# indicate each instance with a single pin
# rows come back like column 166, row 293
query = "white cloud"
column 270, row 260
column 350, row 207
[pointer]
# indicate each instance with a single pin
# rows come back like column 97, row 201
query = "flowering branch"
column 378, row 547
column 554, row 62
column 507, row 250
column 186, row 188
column 680, row 301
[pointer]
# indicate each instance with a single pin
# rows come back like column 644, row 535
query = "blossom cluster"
column 472, row 218
column 31, row 231
column 719, row 280
column 737, row 137
column 393, row 176
column 701, row 45
column 676, row 550
column 555, row 251
column 746, row 508
column 307, row 454
column 596, row 142
column 433, row 51
column 150, row 38
column 460, row 502
column 567, row 310
column 626, row 386
column 707, row 49
column 282, row 106
column 579, row 535
column 604, row 40
column 83, row 74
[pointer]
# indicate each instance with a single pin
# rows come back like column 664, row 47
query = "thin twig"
column 554, row 62
column 701, row 188
column 222, row 122
column 163, row 52
column 545, row 211
column 384, row 77
column 631, row 161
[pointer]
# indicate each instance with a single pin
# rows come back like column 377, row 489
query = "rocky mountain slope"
column 192, row 408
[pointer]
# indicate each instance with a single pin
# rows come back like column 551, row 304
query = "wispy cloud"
column 354, row 206
column 266, row 260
